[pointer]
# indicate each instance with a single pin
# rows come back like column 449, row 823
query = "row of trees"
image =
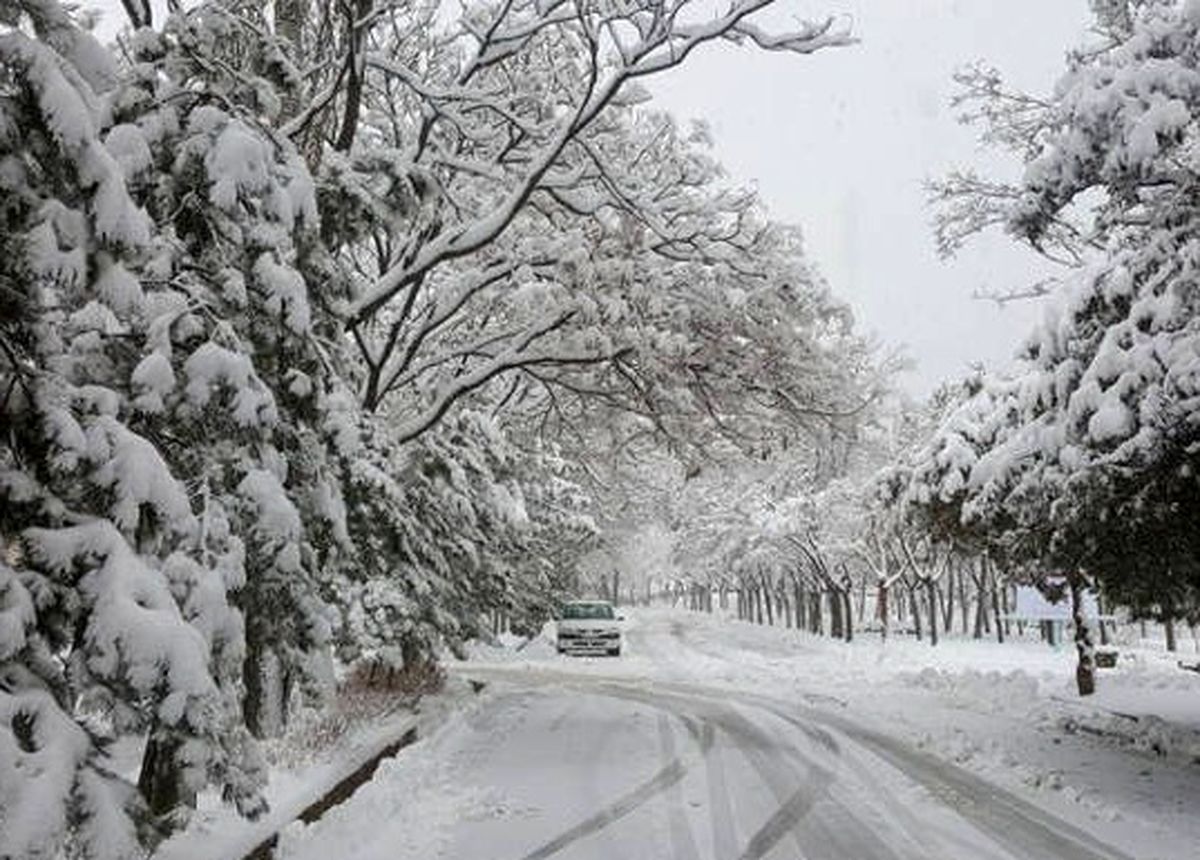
column 1080, row 464
column 805, row 599
column 835, row 551
column 313, row 317
column 1077, row 469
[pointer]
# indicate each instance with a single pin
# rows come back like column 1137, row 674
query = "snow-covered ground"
column 318, row 752
column 1008, row 712
column 712, row 738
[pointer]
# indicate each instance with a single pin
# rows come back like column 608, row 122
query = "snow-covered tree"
column 116, row 573
column 502, row 176
column 1087, row 460
column 452, row 528
column 222, row 252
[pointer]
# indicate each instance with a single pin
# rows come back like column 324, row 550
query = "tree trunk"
column 263, row 708
column 996, row 608
column 915, row 608
column 835, row 614
column 948, row 613
column 1085, row 669
column 412, row 651
column 801, row 613
column 161, row 781
column 1004, row 593
column 849, row 621
column 290, row 16
column 932, row 589
column 1169, row 629
column 962, row 601
column 352, row 102
column 766, row 590
column 882, row 600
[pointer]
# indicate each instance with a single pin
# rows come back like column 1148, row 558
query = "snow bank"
column 992, row 692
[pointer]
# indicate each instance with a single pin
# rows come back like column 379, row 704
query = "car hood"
column 589, row 624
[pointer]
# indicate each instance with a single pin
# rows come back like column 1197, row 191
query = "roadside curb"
column 338, row 793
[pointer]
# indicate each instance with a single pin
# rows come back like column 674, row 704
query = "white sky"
column 841, row 143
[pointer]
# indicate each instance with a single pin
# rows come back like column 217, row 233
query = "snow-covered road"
column 656, row 756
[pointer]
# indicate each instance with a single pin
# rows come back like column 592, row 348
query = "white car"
column 589, row 627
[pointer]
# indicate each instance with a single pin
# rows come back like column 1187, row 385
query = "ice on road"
column 574, row 760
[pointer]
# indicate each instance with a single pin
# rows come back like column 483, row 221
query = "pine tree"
column 114, row 580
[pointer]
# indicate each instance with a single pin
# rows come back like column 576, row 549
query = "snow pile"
column 1146, row 733
column 509, row 647
column 985, row 692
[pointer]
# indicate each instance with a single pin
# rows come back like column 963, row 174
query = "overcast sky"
column 841, row 143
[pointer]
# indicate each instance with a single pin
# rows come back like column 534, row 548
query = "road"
column 581, row 760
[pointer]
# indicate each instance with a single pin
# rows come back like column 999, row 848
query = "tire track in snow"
column 683, row 844
column 912, row 835
column 627, row 803
column 1017, row 824
column 795, row 798
column 762, row 750
column 1015, row 827
column 724, row 839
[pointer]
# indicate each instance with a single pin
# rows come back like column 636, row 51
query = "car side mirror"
column 620, row 617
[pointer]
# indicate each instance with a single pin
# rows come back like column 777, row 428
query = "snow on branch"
column 606, row 58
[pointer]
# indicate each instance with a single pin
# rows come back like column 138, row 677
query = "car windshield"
column 587, row 610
